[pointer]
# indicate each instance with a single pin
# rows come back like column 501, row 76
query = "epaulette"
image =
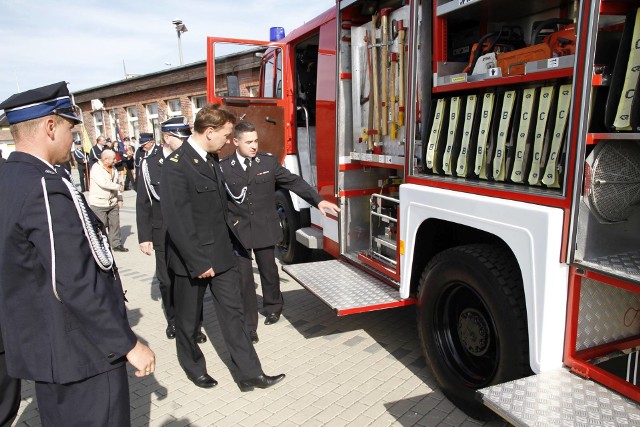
column 175, row 157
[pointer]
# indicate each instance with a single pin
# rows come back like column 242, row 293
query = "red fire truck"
column 486, row 157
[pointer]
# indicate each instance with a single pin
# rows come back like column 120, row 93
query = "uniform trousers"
column 165, row 279
column 249, row 296
column 272, row 299
column 82, row 176
column 101, row 400
column 227, row 300
column 9, row 395
column 110, row 217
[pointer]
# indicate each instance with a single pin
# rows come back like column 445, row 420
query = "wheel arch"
column 434, row 220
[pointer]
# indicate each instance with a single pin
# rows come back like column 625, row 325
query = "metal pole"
column 180, row 47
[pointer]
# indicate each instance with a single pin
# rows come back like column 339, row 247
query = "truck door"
column 246, row 76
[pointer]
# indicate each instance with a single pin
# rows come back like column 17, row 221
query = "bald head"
column 107, row 154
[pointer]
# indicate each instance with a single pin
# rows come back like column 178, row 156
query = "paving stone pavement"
column 359, row 370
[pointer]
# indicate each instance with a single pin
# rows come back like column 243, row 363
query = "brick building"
column 141, row 103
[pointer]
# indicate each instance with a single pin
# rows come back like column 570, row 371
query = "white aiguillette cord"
column 151, row 192
column 99, row 244
column 238, row 199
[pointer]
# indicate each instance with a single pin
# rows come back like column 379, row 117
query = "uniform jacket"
column 86, row 332
column 148, row 212
column 256, row 219
column 105, row 187
column 79, row 157
column 194, row 207
column 95, row 153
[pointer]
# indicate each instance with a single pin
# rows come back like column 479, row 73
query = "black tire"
column 289, row 249
column 472, row 322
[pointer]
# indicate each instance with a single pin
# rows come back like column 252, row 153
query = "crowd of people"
column 64, row 324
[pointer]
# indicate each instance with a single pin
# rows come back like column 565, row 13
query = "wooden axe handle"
column 401, row 33
column 384, row 61
column 375, row 102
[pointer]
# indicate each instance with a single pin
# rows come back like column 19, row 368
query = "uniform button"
column 249, row 193
column 111, row 356
column 251, row 213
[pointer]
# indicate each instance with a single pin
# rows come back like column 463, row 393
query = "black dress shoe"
column 263, row 381
column 120, row 249
column 201, row 338
column 205, row 381
column 171, row 331
column 271, row 318
column 254, row 337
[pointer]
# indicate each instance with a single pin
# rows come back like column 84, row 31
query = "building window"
column 254, row 91
column 174, row 108
column 153, row 122
column 197, row 102
column 132, row 119
column 113, row 117
column 98, row 122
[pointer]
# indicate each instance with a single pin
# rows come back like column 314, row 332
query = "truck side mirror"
column 233, row 87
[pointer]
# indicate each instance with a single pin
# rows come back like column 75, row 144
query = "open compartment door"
column 247, row 77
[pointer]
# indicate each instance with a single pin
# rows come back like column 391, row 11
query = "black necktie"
column 211, row 159
column 247, row 163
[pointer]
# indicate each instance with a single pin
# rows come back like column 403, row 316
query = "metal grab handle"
column 306, row 123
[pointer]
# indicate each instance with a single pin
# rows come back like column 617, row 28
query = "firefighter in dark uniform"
column 9, row 390
column 202, row 251
column 9, row 387
column 151, row 228
column 251, row 186
column 81, row 160
column 64, row 322
column 96, row 150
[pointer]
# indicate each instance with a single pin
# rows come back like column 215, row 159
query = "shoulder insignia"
column 174, row 158
column 233, row 162
column 257, row 159
column 196, row 161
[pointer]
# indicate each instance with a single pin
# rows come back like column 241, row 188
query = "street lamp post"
column 180, row 28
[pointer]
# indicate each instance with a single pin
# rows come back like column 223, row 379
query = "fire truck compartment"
column 345, row 288
column 559, row 398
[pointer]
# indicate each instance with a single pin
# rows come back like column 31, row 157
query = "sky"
column 89, row 43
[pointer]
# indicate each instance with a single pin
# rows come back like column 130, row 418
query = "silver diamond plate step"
column 345, row 288
column 560, row 398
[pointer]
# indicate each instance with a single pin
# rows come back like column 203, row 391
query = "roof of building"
column 170, row 76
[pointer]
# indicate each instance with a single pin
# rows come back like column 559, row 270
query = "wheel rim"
column 283, row 246
column 465, row 335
